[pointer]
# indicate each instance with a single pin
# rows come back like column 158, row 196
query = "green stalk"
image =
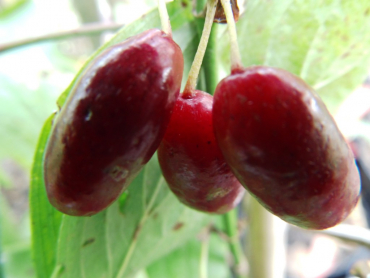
column 230, row 220
column 231, row 223
column 210, row 63
column 199, row 5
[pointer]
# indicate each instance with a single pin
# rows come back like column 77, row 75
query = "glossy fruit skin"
column 191, row 161
column 284, row 147
column 112, row 122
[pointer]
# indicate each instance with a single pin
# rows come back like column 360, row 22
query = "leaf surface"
column 186, row 261
column 121, row 240
column 45, row 219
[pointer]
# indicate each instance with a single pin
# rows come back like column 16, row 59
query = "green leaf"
column 325, row 42
column 11, row 8
column 120, row 241
column 22, row 113
column 45, row 219
column 186, row 262
column 19, row 126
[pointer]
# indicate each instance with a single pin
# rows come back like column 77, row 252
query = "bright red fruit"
column 284, row 147
column 191, row 161
column 112, row 122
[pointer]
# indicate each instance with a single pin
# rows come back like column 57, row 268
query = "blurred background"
column 33, row 76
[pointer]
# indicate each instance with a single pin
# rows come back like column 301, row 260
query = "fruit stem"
column 230, row 220
column 197, row 63
column 236, row 62
column 165, row 19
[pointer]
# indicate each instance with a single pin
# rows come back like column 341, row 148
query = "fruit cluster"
column 264, row 130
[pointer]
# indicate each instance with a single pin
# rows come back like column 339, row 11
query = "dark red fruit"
column 112, row 122
column 191, row 161
column 284, row 147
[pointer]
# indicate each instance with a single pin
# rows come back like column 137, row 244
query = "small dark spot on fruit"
column 88, row 242
column 197, row 146
column 171, row 152
column 257, row 118
column 367, row 11
column 232, row 117
column 209, row 142
column 155, row 215
column 178, row 226
column 118, row 173
column 184, row 4
column 242, row 98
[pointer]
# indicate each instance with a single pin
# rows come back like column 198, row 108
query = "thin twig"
column 88, row 29
column 349, row 233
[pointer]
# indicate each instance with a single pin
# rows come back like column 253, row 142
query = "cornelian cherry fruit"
column 192, row 162
column 112, row 122
column 283, row 145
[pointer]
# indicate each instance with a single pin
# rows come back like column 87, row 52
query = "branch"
column 87, row 29
column 349, row 233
